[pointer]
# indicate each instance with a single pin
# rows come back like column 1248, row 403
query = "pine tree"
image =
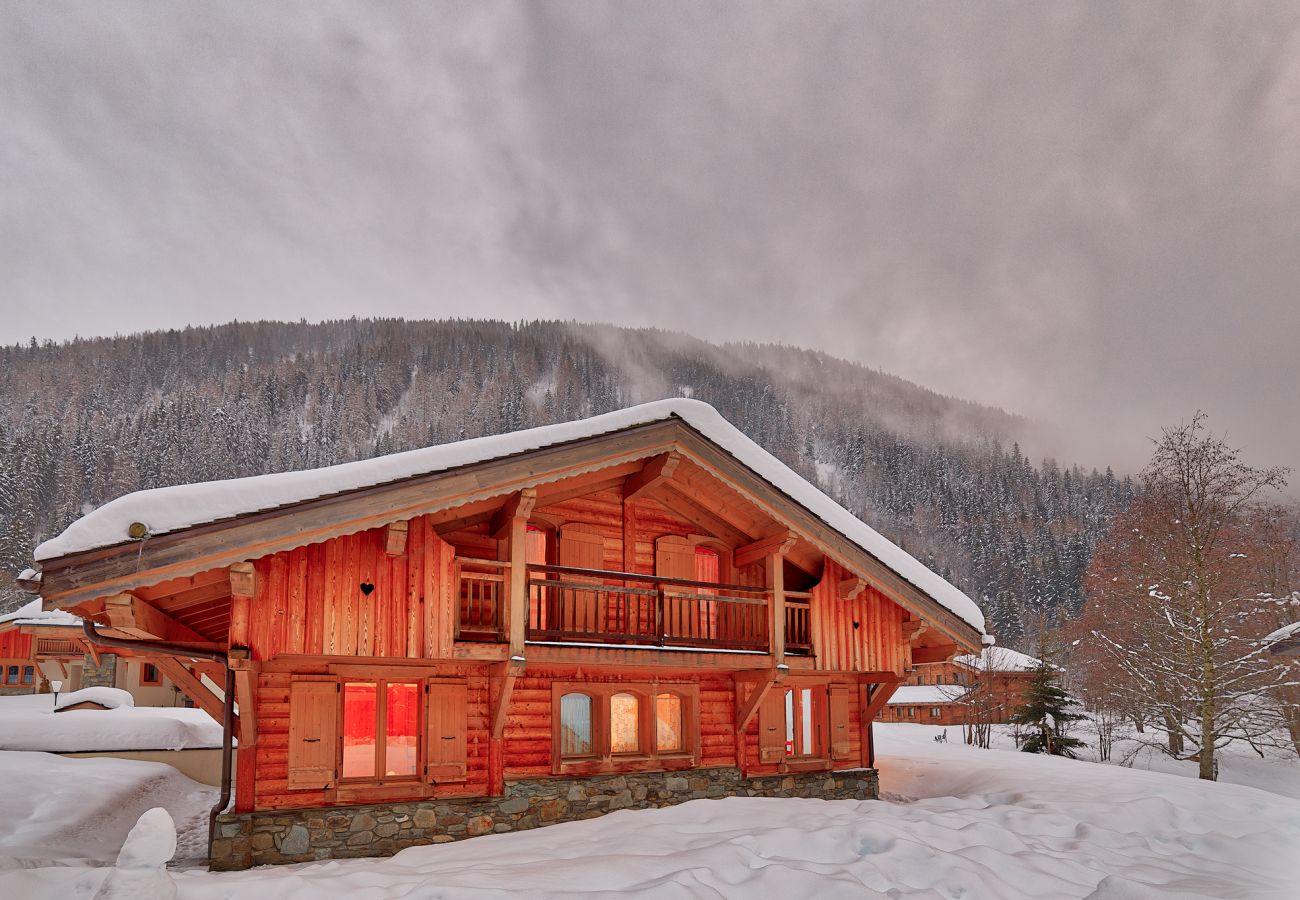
column 1046, row 712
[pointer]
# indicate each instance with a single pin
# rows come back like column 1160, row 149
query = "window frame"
column 145, row 681
column 381, row 730
column 648, row 758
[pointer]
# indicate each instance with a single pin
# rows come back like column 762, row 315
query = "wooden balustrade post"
column 659, row 613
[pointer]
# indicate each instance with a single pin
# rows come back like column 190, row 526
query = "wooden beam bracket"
column 243, row 579
column 395, row 538
column 518, row 505
column 778, row 544
column 657, row 470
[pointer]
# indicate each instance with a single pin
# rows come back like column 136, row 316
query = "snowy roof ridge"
column 32, row 614
column 169, row 509
column 999, row 659
column 926, row 693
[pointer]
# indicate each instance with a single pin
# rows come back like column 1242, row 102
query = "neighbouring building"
column 627, row 611
column 39, row 647
column 986, row 687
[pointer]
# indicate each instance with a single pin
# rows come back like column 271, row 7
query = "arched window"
column 668, row 724
column 624, row 723
column 575, row 726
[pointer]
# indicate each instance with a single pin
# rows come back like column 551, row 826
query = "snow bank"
column 78, row 812
column 169, row 509
column 964, row 823
column 113, row 698
column 28, row 722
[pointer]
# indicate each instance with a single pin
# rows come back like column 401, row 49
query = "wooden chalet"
column 970, row 688
column 627, row 611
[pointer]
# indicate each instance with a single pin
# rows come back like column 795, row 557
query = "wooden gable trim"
column 653, row 473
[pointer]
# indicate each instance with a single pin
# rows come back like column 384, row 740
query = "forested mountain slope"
column 86, row 421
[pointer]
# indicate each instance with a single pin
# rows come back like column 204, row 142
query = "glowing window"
column 624, row 723
column 401, row 730
column 360, row 738
column 575, row 725
column 668, row 723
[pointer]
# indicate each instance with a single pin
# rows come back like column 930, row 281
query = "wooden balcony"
column 595, row 606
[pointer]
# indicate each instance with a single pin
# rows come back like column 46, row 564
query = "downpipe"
column 160, row 648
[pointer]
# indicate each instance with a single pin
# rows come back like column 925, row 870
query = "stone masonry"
column 102, row 675
column 305, row 835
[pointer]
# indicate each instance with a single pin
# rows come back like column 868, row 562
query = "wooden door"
column 313, row 734
column 446, row 721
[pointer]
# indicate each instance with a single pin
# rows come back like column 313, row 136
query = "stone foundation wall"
column 102, row 675
column 304, row 835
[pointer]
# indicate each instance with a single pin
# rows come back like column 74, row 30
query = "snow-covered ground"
column 960, row 822
column 76, row 812
column 29, row 722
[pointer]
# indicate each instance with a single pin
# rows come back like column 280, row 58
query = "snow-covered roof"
column 108, row 697
column 922, row 694
column 1286, row 631
column 999, row 659
column 33, row 614
column 168, row 509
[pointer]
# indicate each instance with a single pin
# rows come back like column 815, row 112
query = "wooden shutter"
column 841, row 747
column 446, row 720
column 313, row 734
column 582, row 547
column 675, row 557
column 771, row 727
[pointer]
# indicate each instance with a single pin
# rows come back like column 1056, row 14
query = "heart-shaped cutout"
column 366, row 588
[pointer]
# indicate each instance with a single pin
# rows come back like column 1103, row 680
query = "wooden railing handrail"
column 653, row 579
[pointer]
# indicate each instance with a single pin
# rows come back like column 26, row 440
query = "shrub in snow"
column 141, row 869
column 112, row 698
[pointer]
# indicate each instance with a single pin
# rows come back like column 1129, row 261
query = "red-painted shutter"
column 771, row 727
column 313, row 734
column 446, row 722
column 841, row 747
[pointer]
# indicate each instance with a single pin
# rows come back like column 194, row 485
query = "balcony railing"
column 573, row 605
column 57, row 647
column 594, row 606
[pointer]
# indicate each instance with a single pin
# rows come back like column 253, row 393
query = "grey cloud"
column 1087, row 213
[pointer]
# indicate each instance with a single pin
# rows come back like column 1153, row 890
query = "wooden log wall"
column 875, row 645
column 15, row 645
column 313, row 600
column 528, row 723
column 271, row 778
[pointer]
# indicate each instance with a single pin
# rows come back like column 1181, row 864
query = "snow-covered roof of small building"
column 922, row 694
column 33, row 614
column 999, row 659
column 107, row 697
column 168, row 509
column 1286, row 631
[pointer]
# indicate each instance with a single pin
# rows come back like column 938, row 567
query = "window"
column 920, row 679
column 911, row 712
column 380, row 729
column 938, row 679
column 575, row 726
column 13, row 675
column 28, row 674
column 623, row 726
column 624, row 723
column 149, row 675
column 799, row 721
column 935, row 712
column 668, row 723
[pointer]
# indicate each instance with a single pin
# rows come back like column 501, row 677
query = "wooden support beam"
column 656, row 471
column 243, row 579
column 501, row 704
column 395, row 538
column 761, row 686
column 694, row 512
column 914, row 628
column 941, row 653
column 776, row 603
column 128, row 614
column 518, row 596
column 778, row 542
column 518, row 505
column 192, row 687
column 245, row 696
column 852, row 588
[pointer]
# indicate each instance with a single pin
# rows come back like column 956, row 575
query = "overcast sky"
column 1085, row 213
